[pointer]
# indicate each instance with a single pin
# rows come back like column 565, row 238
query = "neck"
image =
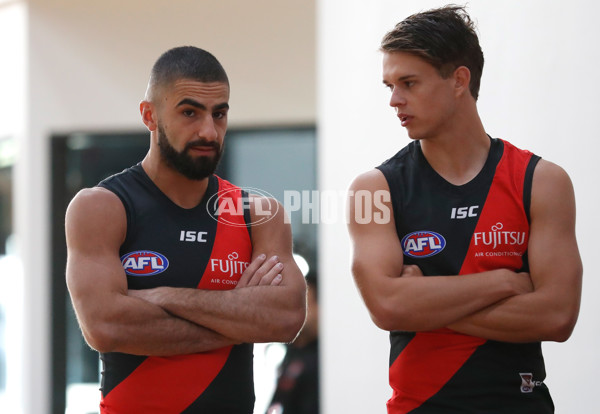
column 184, row 192
column 459, row 154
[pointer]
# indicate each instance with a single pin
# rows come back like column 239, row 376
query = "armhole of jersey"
column 394, row 195
column 128, row 215
column 528, row 184
column 247, row 217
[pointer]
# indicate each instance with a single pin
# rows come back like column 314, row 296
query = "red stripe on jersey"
column 500, row 238
column 427, row 363
column 430, row 359
column 165, row 385
column 232, row 248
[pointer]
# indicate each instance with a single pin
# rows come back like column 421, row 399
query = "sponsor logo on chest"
column 499, row 241
column 499, row 237
column 144, row 263
column 424, row 243
column 230, row 266
column 224, row 273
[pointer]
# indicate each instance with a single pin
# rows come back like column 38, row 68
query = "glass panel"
column 282, row 163
column 7, row 158
column 10, row 283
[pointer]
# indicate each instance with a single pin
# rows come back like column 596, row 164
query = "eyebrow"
column 401, row 78
column 196, row 104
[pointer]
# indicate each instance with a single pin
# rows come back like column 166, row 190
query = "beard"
column 194, row 168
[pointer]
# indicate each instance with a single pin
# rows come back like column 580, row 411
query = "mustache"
column 203, row 143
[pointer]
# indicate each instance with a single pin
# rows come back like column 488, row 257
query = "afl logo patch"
column 144, row 263
column 423, row 244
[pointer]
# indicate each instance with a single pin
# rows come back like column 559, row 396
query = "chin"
column 414, row 135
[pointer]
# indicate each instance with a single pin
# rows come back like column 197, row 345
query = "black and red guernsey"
column 455, row 230
column 207, row 247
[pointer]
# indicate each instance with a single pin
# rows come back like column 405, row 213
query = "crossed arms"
column 267, row 305
column 499, row 304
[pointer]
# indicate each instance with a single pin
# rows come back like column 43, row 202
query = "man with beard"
column 171, row 290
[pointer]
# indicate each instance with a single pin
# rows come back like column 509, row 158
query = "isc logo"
column 144, row 263
column 423, row 244
column 193, row 236
column 464, row 212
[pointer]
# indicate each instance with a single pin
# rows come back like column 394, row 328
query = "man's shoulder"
column 94, row 208
column 406, row 153
column 372, row 180
column 123, row 176
column 93, row 197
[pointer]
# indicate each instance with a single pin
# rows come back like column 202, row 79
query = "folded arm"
column 550, row 311
column 396, row 298
column 110, row 319
column 263, row 307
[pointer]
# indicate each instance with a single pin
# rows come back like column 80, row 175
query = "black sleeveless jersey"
column 206, row 247
column 453, row 230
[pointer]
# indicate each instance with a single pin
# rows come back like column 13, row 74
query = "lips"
column 203, row 150
column 404, row 119
column 202, row 147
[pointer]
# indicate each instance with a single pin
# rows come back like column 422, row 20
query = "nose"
column 397, row 99
column 208, row 129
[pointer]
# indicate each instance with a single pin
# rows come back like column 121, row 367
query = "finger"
column 263, row 270
column 251, row 269
column 271, row 275
column 277, row 280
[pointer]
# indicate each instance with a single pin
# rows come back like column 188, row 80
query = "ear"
column 148, row 112
column 462, row 79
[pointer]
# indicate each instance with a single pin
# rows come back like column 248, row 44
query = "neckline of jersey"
column 482, row 178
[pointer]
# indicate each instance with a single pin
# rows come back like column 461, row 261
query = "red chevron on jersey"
column 232, row 254
column 178, row 380
column 502, row 232
column 425, row 365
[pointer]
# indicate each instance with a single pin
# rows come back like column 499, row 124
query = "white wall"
column 539, row 90
column 12, row 128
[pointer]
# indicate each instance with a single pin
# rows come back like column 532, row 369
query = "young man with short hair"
column 171, row 290
column 479, row 262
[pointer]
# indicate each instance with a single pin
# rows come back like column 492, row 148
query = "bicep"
column 376, row 260
column 555, row 263
column 95, row 227
column 273, row 237
column 376, row 251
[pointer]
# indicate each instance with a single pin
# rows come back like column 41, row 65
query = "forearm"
column 432, row 302
column 251, row 314
column 531, row 317
column 142, row 328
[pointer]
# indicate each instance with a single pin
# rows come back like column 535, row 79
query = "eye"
column 188, row 113
column 409, row 84
column 220, row 115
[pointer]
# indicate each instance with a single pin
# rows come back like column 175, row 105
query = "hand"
column 411, row 271
column 262, row 272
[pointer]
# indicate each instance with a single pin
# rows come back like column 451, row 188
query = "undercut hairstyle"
column 445, row 37
column 185, row 62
